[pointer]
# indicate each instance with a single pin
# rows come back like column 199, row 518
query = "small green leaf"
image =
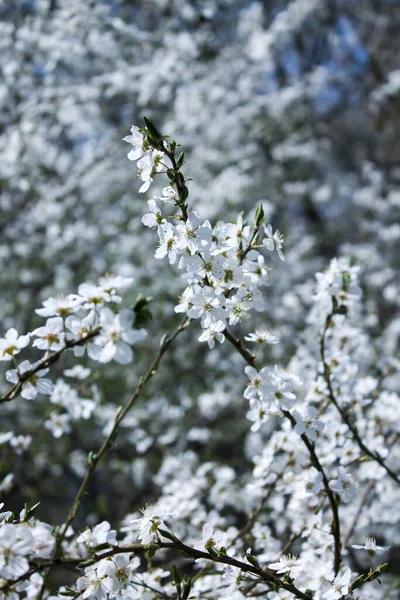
column 180, row 160
column 253, row 561
column 186, row 587
column 68, row 592
column 185, row 193
column 30, row 512
column 175, row 575
column 151, row 550
column 259, row 216
column 92, row 456
column 152, row 129
column 142, row 312
column 167, row 534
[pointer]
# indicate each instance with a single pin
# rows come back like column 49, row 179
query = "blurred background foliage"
column 294, row 104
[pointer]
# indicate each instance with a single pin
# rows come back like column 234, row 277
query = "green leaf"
column 92, row 456
column 151, row 550
column 186, row 587
column 259, row 216
column 185, row 193
column 142, row 312
column 30, row 512
column 167, row 534
column 152, row 129
column 68, row 592
column 180, row 160
column 175, row 575
column 253, row 561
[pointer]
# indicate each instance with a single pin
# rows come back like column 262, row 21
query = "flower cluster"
column 222, row 265
column 270, row 391
column 83, row 322
column 109, row 578
column 20, row 542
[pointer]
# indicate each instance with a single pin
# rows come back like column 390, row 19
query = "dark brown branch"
column 331, row 395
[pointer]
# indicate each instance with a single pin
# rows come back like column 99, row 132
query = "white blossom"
column 289, row 564
column 12, row 344
column 117, row 336
column 370, row 546
column 340, row 586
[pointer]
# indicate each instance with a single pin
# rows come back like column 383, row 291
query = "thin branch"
column 331, row 495
column 327, row 376
column 266, row 576
column 356, row 517
column 44, row 363
column 253, row 517
column 236, row 343
column 95, row 457
column 249, row 358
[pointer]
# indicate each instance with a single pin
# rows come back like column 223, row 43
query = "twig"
column 327, row 376
column 314, row 459
column 266, row 576
column 94, row 458
column 44, row 363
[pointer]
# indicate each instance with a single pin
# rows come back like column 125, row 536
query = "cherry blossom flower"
column 273, row 241
column 154, row 218
column 51, row 335
column 371, row 547
column 169, row 195
column 148, row 165
column 259, row 413
column 20, row 443
column 100, row 534
column 80, row 328
column 92, row 295
column 136, row 139
column 78, row 372
column 308, row 423
column 340, row 586
column 12, row 344
column 58, row 424
column 261, row 336
column 111, row 284
column 93, row 584
column 289, row 563
column 260, row 383
column 168, row 243
column 238, row 307
column 206, row 305
column 212, row 333
column 257, row 270
column 16, row 543
column 191, row 236
column 233, row 578
column 209, row 539
column 117, row 335
column 151, row 522
column 118, row 572
column 43, row 540
column 345, row 485
column 31, row 587
column 35, row 384
column 62, row 306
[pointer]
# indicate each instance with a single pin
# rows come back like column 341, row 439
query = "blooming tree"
column 292, row 107
column 323, row 443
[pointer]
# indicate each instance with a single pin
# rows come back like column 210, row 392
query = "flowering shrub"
column 325, row 442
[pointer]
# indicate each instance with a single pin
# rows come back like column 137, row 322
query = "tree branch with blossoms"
column 95, row 457
column 338, row 308
column 224, row 269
